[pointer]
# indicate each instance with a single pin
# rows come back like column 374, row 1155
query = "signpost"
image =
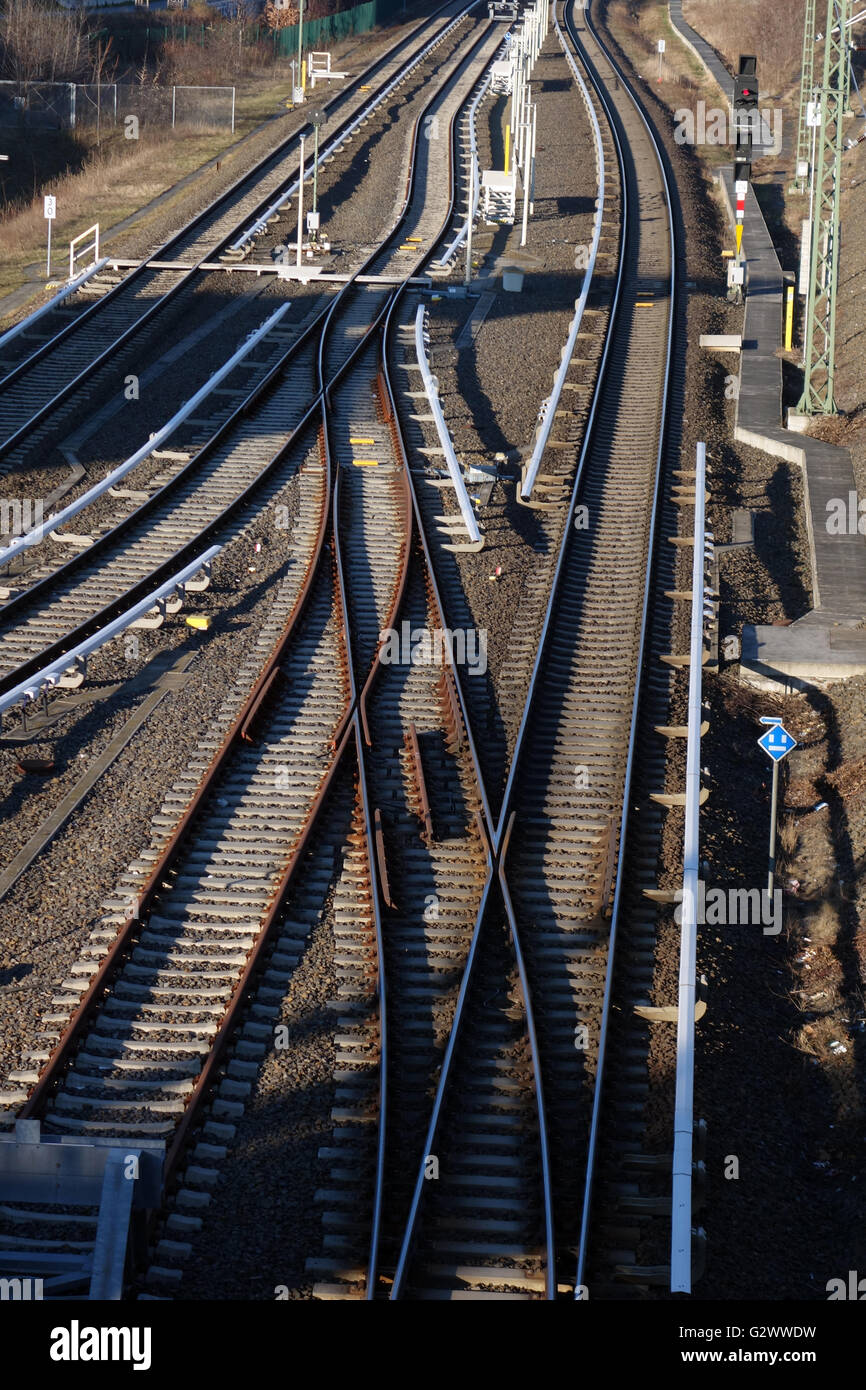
column 661, row 51
column 50, row 206
column 777, row 744
column 741, row 188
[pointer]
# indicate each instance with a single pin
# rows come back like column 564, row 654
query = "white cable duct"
column 549, row 406
column 52, row 303
column 262, row 221
column 46, row 679
column 469, row 518
column 681, row 1205
column 473, row 155
column 58, row 519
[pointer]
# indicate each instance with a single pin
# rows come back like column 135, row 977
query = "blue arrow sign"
column 777, row 742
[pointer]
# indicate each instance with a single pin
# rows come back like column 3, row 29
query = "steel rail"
column 361, row 720
column 109, row 967
column 502, row 834
column 337, row 143
column 101, row 981
column 164, row 251
column 581, row 463
column 156, row 440
column 187, row 552
column 608, row 989
column 436, row 1115
column 19, row 436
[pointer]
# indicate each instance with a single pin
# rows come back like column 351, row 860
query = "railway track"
column 532, row 1076
column 169, row 971
column 74, row 345
column 243, row 459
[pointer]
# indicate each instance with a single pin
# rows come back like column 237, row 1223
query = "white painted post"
column 233, row 110
column 525, row 194
column 532, row 160
column 173, row 105
column 301, row 203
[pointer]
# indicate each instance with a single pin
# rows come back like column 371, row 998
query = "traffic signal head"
column 746, row 84
column 742, row 171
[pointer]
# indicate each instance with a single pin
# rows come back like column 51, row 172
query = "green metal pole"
column 807, row 84
column 300, row 39
column 820, row 328
column 315, row 165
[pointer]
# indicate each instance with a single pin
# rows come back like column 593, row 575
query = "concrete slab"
column 799, row 656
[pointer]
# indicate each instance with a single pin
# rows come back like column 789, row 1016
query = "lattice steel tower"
column 830, row 96
column 807, row 87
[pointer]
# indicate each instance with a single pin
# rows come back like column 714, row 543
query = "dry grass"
column 773, row 32
column 117, row 178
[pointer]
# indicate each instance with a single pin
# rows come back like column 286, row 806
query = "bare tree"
column 40, row 43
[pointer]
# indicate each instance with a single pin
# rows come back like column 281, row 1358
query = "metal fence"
column 75, row 105
column 358, row 19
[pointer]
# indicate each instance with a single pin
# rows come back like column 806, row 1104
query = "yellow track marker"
column 197, row 621
column 739, row 236
column 356, row 439
column 644, row 303
column 365, row 463
column 414, row 238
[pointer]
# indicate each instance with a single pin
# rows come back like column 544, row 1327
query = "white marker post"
column 50, row 206
column 301, row 204
column 661, row 51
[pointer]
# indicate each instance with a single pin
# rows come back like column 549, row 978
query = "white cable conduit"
column 476, row 183
column 681, row 1204
column 469, row 518
column 52, row 303
column 548, row 408
column 58, row 519
column 46, row 679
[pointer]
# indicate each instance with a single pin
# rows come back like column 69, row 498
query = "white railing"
column 474, row 178
column 78, row 252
